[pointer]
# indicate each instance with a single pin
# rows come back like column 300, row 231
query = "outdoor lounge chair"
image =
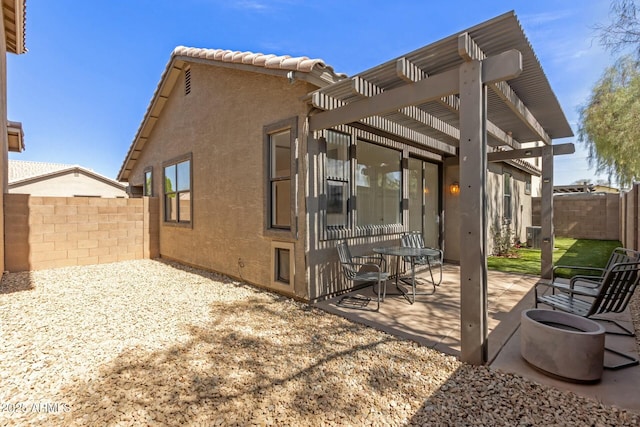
column 362, row 269
column 415, row 240
column 589, row 283
column 609, row 294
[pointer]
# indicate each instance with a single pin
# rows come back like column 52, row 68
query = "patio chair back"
column 620, row 255
column 362, row 269
column 346, row 260
column 618, row 285
column 613, row 294
column 414, row 239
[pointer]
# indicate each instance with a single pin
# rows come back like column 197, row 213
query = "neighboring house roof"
column 22, row 172
column 14, row 12
column 315, row 71
column 574, row 188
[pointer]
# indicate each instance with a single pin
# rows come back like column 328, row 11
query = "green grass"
column 576, row 252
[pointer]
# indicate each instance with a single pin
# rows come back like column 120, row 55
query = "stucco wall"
column 69, row 184
column 50, row 232
column 521, row 207
column 221, row 124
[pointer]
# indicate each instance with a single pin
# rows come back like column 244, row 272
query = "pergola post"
column 473, row 262
column 546, row 213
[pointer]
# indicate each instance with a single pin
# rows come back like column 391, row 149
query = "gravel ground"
column 150, row 343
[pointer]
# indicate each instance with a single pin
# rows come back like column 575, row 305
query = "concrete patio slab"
column 434, row 321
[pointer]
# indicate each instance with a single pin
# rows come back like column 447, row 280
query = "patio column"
column 473, row 262
column 546, row 213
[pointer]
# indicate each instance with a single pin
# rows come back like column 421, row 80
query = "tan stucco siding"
column 521, row 207
column 220, row 123
column 70, row 184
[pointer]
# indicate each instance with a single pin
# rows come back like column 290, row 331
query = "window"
column 177, row 191
column 280, row 179
column 282, row 265
column 147, row 185
column 338, row 172
column 378, row 185
column 506, row 201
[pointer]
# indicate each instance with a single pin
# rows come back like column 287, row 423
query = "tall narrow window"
column 177, row 192
column 280, row 178
column 506, row 202
column 338, row 173
column 379, row 185
column 147, row 185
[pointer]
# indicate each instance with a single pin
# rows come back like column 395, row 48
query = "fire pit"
column 562, row 345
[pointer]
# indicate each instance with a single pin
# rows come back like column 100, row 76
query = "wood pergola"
column 477, row 96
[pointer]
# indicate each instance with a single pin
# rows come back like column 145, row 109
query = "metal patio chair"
column 589, row 283
column 610, row 294
column 362, row 269
column 414, row 239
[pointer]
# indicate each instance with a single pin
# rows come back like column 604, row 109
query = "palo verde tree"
column 609, row 125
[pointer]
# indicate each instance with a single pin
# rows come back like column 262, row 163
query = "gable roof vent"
column 187, row 81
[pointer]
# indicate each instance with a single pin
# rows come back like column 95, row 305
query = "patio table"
column 412, row 254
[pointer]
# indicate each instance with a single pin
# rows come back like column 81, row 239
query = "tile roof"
column 282, row 62
column 22, row 169
column 315, row 71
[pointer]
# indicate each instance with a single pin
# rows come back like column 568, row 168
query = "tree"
column 609, row 124
column 624, row 30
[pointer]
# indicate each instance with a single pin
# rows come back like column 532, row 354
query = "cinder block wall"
column 588, row 216
column 50, row 232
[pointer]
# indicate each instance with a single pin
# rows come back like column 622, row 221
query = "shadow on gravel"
column 263, row 359
column 16, row 282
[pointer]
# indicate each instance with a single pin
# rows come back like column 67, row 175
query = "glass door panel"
column 424, row 196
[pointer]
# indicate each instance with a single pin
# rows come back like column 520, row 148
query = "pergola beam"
column 469, row 50
column 410, row 72
column 525, row 153
column 385, row 126
column 440, row 85
column 365, row 88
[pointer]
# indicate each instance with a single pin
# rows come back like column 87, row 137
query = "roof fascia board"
column 18, row 24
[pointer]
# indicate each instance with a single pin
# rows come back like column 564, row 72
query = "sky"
column 91, row 68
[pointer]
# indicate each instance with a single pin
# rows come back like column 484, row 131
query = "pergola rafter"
column 410, row 72
column 469, row 50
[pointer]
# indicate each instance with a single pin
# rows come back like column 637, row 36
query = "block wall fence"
column 584, row 216
column 50, row 232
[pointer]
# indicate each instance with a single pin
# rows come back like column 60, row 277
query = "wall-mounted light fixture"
column 454, row 188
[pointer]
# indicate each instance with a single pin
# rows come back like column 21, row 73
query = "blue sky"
column 92, row 66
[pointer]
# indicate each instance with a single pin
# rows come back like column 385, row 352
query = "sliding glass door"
column 424, row 197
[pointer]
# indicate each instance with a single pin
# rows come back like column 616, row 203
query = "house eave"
column 15, row 136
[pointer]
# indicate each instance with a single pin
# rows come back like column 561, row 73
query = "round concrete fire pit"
column 562, row 345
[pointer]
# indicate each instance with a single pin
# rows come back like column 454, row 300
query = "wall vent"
column 187, row 81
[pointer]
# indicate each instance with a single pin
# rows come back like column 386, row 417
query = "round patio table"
column 412, row 254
